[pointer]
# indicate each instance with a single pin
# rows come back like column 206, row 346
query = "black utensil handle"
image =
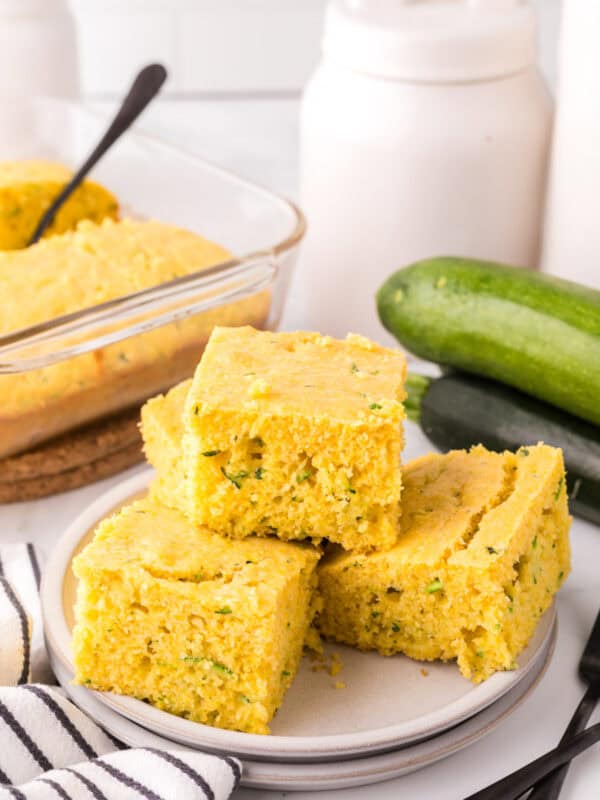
column 518, row 782
column 550, row 787
column 144, row 88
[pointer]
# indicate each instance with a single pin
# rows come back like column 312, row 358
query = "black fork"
column 145, row 87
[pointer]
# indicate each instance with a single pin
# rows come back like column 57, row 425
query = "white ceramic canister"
column 424, row 132
column 38, row 49
column 572, row 226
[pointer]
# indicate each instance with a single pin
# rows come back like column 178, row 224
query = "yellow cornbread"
column 296, row 434
column 162, row 431
column 82, row 268
column 484, row 547
column 27, row 188
column 198, row 625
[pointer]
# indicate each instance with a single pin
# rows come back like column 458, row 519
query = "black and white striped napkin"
column 51, row 749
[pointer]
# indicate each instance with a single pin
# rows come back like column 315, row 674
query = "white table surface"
column 258, row 139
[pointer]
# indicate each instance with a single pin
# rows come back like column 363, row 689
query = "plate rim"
column 249, row 745
column 365, row 770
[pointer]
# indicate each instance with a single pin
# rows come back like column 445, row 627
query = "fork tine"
column 550, row 787
column 513, row 785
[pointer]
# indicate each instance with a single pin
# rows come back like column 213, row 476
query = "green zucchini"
column 459, row 410
column 529, row 330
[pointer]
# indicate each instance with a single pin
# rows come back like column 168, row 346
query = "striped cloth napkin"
column 51, row 749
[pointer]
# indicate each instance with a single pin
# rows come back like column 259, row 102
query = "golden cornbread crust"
column 72, row 460
column 27, row 189
column 484, row 547
column 297, row 435
column 82, row 268
column 194, row 623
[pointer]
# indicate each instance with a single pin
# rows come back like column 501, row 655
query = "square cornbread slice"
column 297, row 435
column 194, row 623
column 483, row 549
column 161, row 426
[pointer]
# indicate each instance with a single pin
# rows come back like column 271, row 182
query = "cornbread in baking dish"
column 297, row 435
column 27, row 189
column 82, row 268
column 484, row 547
column 198, row 625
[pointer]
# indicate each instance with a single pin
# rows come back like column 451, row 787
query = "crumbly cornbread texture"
column 82, row 268
column 484, row 547
column 27, row 188
column 198, row 625
column 297, row 435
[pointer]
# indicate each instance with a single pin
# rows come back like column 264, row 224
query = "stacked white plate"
column 391, row 716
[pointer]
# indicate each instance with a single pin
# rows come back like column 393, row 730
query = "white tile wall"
column 221, row 46
column 209, row 46
column 249, row 46
column 549, row 12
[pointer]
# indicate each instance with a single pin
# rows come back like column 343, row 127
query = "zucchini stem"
column 416, row 388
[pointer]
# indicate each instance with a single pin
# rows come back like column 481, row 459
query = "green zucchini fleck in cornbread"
column 195, row 623
column 297, row 435
column 484, row 547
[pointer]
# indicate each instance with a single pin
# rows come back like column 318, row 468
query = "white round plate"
column 315, row 776
column 387, row 703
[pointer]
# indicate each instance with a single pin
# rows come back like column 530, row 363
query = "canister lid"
column 442, row 41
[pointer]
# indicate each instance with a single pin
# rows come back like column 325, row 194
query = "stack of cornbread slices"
column 280, row 503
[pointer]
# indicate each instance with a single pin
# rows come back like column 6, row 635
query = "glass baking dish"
column 109, row 357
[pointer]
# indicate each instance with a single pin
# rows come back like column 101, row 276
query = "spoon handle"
column 144, row 88
column 518, row 782
column 550, row 787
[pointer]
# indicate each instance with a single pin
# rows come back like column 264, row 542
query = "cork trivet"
column 73, row 460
